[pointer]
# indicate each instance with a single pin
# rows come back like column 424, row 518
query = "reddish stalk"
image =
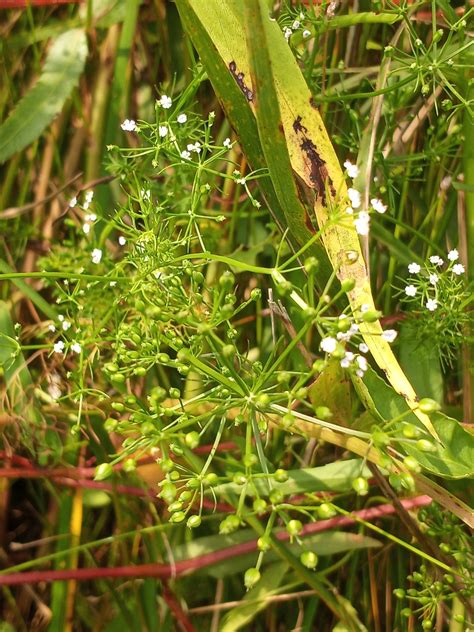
column 167, row 571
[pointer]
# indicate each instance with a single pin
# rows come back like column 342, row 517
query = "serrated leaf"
column 35, row 111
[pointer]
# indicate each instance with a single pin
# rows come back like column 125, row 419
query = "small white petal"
column 162, row 131
column 328, row 344
column 182, row 118
column 73, row 202
column 96, row 255
column 165, row 102
column 129, row 125
column 453, row 255
column 410, row 290
column 431, row 304
column 437, row 261
column 76, row 347
column 378, row 205
column 414, row 268
column 363, row 348
column 458, row 269
column 389, row 335
column 59, row 346
column 122, row 241
column 354, row 197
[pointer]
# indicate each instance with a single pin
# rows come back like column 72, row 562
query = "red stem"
column 167, row 571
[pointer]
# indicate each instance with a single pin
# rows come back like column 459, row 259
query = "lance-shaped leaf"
column 35, row 111
column 292, row 135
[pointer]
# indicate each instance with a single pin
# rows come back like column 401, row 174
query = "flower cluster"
column 427, row 283
column 362, row 217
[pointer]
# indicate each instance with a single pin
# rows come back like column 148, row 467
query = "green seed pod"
column 250, row 460
column 294, row 527
column 276, row 496
column 239, row 478
column 194, row 483
column 228, row 351
column 309, row 559
column 410, row 431
column 412, row 464
column 192, row 439
column 360, row 486
column 251, row 577
column 399, row 593
column 129, row 465
column 139, row 371
column 259, row 506
column 110, row 424
column 211, row 479
column 262, row 401
column 256, row 294
column 177, row 517
column 118, row 406
column 425, row 446
column 264, row 543
column 118, row 378
column 103, row 471
column 185, row 496
column 287, row 421
column 175, row 393
column 311, row 264
column 230, row 524
column 427, row 405
column 371, row 316
column 348, row 285
column 193, row 522
column 226, row 280
column 176, row 506
column 323, row 412
column 325, row 511
column 280, row 475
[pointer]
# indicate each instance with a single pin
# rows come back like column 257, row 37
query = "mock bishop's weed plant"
column 214, row 320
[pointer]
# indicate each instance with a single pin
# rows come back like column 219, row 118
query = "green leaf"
column 420, row 361
column 328, row 543
column 333, row 389
column 333, row 477
column 454, row 453
column 256, row 599
column 35, row 111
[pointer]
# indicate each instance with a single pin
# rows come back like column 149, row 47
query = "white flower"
column 378, row 205
column 90, row 217
column 352, row 170
column 306, row 33
column 86, row 228
column 410, row 290
column 328, row 344
column 354, row 197
column 89, row 196
column 389, row 335
column 414, row 268
column 96, row 255
column 458, row 269
column 227, row 143
column 287, row 33
column 194, row 147
column 165, row 102
column 362, row 362
column 66, row 325
column 296, row 25
column 52, row 327
column 113, row 283
column 346, row 360
column 76, row 347
column 58, row 346
column 129, row 125
column 73, row 202
column 434, row 278
column 361, row 223
column 360, row 373
column 436, row 261
column 162, row 131
column 349, row 210
column 182, row 118
column 122, row 241
column 431, row 304
column 60, row 318
column 185, row 155
column 453, row 255
column 363, row 348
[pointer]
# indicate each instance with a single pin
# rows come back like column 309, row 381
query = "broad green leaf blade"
column 333, row 477
column 453, row 456
column 35, row 111
column 256, row 599
column 323, row 544
column 420, row 361
column 18, row 382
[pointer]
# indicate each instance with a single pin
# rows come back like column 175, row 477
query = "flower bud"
column 309, row 559
column 251, row 577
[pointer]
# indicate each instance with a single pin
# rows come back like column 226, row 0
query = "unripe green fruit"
column 294, row 527
column 371, row 316
column 259, row 506
column 193, row 522
column 264, row 543
column 360, row 486
column 103, row 471
column 309, row 559
column 192, row 439
column 178, row 517
column 325, row 511
column 427, row 405
column 251, row 577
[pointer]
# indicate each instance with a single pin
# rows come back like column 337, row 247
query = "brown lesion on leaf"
column 319, row 174
column 239, row 78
